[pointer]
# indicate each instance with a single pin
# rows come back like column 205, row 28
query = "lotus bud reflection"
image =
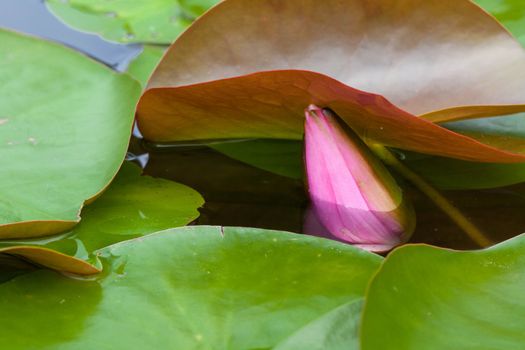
column 353, row 194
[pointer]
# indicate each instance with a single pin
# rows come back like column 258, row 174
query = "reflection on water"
column 238, row 194
column 498, row 212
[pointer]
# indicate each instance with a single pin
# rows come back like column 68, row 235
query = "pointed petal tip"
column 355, row 196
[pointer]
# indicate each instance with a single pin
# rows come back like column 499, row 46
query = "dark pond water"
column 237, row 194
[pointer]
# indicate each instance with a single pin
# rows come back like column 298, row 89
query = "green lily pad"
column 190, row 288
column 143, row 65
column 430, row 298
column 336, row 330
column 504, row 131
column 454, row 174
column 511, row 13
column 65, row 124
column 132, row 206
column 152, row 21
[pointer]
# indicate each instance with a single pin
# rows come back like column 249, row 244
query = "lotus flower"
column 392, row 70
column 352, row 192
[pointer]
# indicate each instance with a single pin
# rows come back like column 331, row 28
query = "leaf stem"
column 439, row 200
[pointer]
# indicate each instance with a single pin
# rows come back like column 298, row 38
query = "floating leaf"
column 49, row 258
column 454, row 174
column 230, row 79
column 65, row 123
column 505, row 131
column 193, row 287
column 152, row 21
column 132, row 206
column 430, row 298
column 284, row 157
column 336, row 330
column 144, row 64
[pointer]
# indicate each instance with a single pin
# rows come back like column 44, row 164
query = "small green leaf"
column 454, row 174
column 152, row 21
column 189, row 288
column 65, row 124
column 132, row 206
column 430, row 298
column 446, row 173
column 506, row 132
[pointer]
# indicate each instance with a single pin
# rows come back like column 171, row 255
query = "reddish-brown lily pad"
column 253, row 76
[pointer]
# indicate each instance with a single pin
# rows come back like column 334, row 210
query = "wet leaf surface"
column 231, row 288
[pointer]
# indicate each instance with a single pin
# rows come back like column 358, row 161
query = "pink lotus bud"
column 353, row 194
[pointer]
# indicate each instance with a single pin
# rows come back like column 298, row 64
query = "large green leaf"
column 511, row 13
column 152, row 21
column 65, row 123
column 189, row 288
column 430, row 298
column 132, row 206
